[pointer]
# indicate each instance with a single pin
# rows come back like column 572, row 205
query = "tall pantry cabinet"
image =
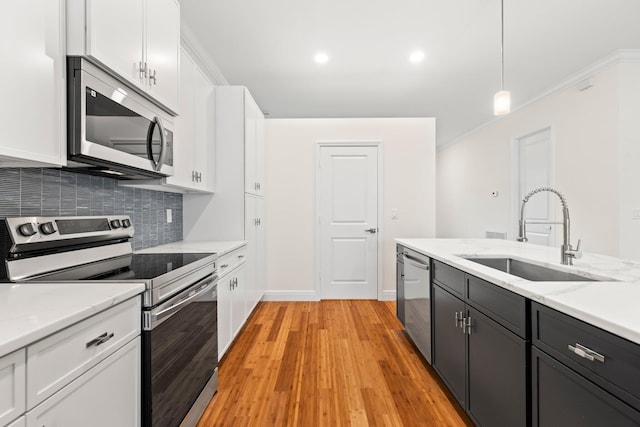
column 236, row 210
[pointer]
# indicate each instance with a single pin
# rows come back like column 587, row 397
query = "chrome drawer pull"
column 100, row 340
column 224, row 266
column 468, row 325
column 586, row 353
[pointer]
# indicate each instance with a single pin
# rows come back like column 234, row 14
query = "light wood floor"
column 328, row 363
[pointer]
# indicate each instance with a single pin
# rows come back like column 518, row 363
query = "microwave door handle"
column 163, row 143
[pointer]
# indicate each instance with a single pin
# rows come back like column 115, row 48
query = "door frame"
column 515, row 172
column 346, row 143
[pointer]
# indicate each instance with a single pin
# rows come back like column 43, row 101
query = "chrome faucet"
column 567, row 253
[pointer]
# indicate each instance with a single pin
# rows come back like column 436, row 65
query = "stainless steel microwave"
column 113, row 130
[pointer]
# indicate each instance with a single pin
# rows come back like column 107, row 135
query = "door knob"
column 371, row 230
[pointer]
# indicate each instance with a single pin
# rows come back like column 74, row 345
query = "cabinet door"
column 224, row 314
column 204, row 130
column 250, row 124
column 107, row 395
column 449, row 342
column 497, row 373
column 239, row 300
column 400, row 292
column 259, row 150
column 115, row 36
column 32, row 83
column 12, row 386
column 561, row 397
column 259, row 254
column 183, row 152
column 251, row 236
column 163, row 49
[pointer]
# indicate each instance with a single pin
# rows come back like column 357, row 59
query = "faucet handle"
column 575, row 253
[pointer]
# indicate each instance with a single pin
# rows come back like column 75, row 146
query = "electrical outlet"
column 169, row 216
column 394, row 213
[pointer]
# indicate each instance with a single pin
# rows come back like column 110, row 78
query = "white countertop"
column 610, row 305
column 206, row 246
column 32, row 311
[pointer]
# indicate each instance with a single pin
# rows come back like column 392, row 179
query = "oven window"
column 181, row 354
column 112, row 125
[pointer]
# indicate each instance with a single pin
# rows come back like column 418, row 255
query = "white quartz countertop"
column 32, row 311
column 612, row 304
column 207, row 246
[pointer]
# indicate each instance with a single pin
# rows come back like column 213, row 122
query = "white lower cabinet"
column 88, row 374
column 12, row 386
column 107, row 395
column 233, row 295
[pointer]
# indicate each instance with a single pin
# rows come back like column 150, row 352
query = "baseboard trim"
column 290, row 296
column 388, row 295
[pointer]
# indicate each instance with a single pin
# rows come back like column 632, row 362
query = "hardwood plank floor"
column 328, row 363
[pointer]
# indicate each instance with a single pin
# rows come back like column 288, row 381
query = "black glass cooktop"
column 127, row 268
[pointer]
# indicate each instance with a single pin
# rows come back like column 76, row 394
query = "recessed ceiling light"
column 321, row 58
column 416, row 56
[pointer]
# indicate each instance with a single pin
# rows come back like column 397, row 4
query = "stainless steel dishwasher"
column 414, row 291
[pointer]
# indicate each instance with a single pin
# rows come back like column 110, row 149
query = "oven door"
column 113, row 127
column 179, row 352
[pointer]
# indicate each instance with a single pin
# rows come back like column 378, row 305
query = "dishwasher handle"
column 416, row 262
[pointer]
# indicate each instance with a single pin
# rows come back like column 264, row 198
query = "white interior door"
column 348, row 220
column 535, row 170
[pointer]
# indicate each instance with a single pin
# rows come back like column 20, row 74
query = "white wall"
column 408, row 149
column 596, row 137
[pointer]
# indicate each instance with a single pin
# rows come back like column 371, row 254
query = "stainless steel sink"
column 529, row 271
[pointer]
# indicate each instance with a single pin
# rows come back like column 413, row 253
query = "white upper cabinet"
column 194, row 138
column 33, row 83
column 254, row 146
column 139, row 40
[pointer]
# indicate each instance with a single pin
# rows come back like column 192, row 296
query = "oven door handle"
column 174, row 306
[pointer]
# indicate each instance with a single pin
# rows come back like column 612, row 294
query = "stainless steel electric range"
column 179, row 317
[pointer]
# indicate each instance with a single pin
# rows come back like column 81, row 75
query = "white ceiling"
column 269, row 46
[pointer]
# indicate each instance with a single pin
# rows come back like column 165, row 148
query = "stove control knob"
column 47, row 228
column 27, row 229
column 115, row 223
column 126, row 223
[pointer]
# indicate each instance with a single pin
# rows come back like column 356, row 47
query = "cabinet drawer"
column 229, row 261
column 449, row 277
column 505, row 307
column 619, row 372
column 57, row 360
column 12, row 386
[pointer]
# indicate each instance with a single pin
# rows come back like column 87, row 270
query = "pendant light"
column 502, row 99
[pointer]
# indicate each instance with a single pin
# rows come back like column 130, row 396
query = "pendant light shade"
column 502, row 99
column 501, row 103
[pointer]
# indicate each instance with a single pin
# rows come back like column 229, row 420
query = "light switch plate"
column 169, row 216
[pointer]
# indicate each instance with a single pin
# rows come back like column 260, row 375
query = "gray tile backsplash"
column 54, row 192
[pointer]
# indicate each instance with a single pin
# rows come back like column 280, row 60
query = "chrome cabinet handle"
column 224, row 266
column 142, row 69
column 586, row 353
column 371, row 230
column 467, row 324
column 100, row 339
column 458, row 318
column 240, row 256
column 152, row 76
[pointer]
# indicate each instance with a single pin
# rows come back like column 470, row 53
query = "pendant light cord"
column 502, row 44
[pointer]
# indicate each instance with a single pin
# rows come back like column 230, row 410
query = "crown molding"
column 622, row 56
column 196, row 50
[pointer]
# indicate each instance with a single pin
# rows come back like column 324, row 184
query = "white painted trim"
column 622, row 56
column 317, row 244
column 291, row 296
column 197, row 52
column 388, row 295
